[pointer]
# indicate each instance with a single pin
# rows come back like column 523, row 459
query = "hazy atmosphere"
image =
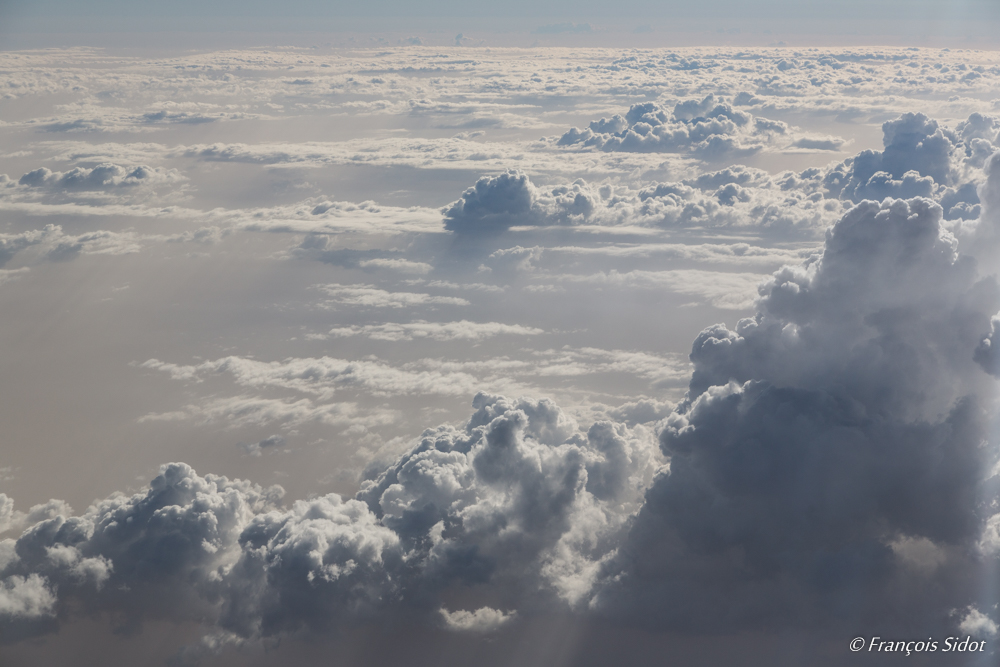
column 538, row 334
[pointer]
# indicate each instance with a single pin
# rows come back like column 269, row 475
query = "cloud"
column 921, row 159
column 497, row 203
column 140, row 555
column 978, row 624
column 10, row 275
column 323, row 379
column 483, row 619
column 241, row 411
column 709, row 129
column 52, row 244
column 442, row 331
column 831, row 445
column 25, row 597
column 729, row 254
column 828, row 466
column 819, row 143
column 317, row 246
column 510, row 260
column 739, row 198
column 7, row 517
column 493, row 204
column 369, row 296
column 103, row 176
column 519, row 497
column 400, row 265
column 643, row 411
column 257, row 448
column 323, row 376
column 737, row 291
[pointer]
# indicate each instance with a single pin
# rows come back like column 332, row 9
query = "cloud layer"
column 829, row 463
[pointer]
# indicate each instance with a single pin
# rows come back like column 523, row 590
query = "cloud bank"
column 829, row 463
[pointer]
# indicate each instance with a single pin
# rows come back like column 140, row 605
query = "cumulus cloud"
column 738, row 197
column 25, row 597
column 497, row 203
column 829, row 465
column 978, row 624
column 830, row 449
column 519, row 498
column 153, row 552
column 483, row 619
column 832, row 444
column 921, row 158
column 102, row 176
column 708, row 128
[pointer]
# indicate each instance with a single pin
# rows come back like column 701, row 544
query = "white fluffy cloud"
column 483, row 619
column 25, row 597
column 709, row 129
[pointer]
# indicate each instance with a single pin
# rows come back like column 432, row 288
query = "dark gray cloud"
column 828, row 466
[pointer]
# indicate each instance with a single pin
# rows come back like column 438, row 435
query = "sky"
column 521, row 334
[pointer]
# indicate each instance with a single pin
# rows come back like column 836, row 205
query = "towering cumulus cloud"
column 830, row 466
column 921, row 159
